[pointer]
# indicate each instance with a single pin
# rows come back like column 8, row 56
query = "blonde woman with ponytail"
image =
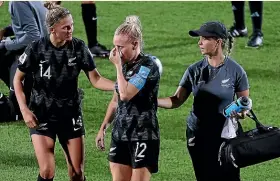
column 134, row 149
column 214, row 82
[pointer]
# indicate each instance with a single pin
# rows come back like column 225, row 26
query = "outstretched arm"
column 100, row 82
column 175, row 101
column 92, row 73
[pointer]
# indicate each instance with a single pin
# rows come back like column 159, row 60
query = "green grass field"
column 165, row 30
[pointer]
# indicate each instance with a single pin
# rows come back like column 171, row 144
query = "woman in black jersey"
column 55, row 62
column 134, row 148
column 27, row 25
column 214, row 81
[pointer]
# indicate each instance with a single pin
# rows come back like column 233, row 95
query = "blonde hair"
column 227, row 44
column 230, row 44
column 55, row 13
column 132, row 28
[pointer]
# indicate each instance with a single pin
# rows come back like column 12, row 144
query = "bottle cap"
column 244, row 101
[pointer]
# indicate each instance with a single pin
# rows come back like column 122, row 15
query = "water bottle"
column 241, row 104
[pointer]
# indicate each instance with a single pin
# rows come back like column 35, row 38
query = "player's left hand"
column 99, row 140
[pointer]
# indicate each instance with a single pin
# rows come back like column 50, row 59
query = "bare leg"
column 141, row 174
column 75, row 156
column 44, row 150
column 120, row 172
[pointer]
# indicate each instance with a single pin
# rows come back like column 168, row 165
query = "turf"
column 165, row 31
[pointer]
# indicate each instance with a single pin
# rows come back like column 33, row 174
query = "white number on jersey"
column 139, row 153
column 47, row 73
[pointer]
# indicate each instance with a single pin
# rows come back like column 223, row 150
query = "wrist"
column 118, row 65
column 24, row 109
column 103, row 128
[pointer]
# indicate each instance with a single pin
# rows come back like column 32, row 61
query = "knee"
column 141, row 174
column 121, row 177
column 47, row 172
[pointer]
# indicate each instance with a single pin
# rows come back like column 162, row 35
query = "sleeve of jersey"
column 242, row 82
column 186, row 81
column 140, row 78
column 26, row 60
column 88, row 62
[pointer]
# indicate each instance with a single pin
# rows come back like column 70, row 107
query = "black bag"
column 252, row 147
column 5, row 109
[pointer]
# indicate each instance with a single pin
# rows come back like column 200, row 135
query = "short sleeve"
column 26, row 61
column 154, row 75
column 242, row 82
column 186, row 80
column 140, row 78
column 88, row 63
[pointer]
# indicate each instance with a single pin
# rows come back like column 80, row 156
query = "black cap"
column 211, row 29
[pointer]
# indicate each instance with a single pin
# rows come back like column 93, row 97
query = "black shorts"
column 64, row 129
column 137, row 154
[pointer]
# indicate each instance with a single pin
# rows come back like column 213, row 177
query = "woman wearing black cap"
column 214, row 82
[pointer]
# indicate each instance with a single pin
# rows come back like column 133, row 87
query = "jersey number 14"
column 47, row 73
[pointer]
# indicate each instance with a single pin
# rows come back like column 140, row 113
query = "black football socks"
column 90, row 22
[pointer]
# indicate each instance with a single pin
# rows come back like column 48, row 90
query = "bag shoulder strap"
column 253, row 116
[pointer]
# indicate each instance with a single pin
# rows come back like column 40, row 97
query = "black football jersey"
column 137, row 118
column 55, row 76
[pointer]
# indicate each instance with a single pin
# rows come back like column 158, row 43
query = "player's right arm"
column 29, row 118
column 93, row 75
column 26, row 61
column 111, row 110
